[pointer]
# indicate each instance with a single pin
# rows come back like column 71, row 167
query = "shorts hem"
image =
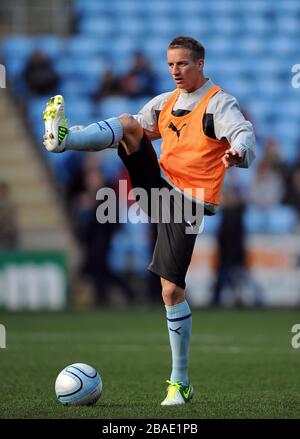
column 176, row 281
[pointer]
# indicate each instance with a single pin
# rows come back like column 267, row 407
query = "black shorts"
column 176, row 234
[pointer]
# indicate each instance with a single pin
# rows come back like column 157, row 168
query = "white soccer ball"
column 78, row 384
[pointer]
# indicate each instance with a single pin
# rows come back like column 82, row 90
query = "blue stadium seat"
column 278, row 219
column 65, row 67
column 290, row 110
column 219, row 45
column 156, row 46
column 87, row 72
column 79, row 111
column 70, row 87
column 91, row 7
column 158, row 9
column 287, row 23
column 15, row 51
column 52, row 45
column 251, row 46
column 84, row 46
column 192, row 7
column 222, row 7
column 261, row 7
column 138, row 103
column 272, row 66
column 111, row 165
column 91, row 71
column 165, row 83
column 256, row 25
column 283, row 45
column 287, row 132
column 211, row 224
column 140, row 245
column 130, row 249
column 269, row 86
column 197, row 27
column 132, row 7
column 97, row 26
column 121, row 52
column 17, row 46
column 118, row 252
column 113, row 106
column 165, row 27
column 290, row 7
column 35, row 114
column 286, row 220
column 239, row 87
column 131, row 26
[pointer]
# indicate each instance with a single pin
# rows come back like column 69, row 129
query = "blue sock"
column 97, row 136
column 179, row 319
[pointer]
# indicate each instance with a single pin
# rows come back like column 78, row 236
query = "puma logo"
column 190, row 224
column 176, row 330
column 177, row 130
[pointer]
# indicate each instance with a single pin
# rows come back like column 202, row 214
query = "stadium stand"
column 40, row 216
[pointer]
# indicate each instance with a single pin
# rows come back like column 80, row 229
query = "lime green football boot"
column 56, row 125
column 178, row 394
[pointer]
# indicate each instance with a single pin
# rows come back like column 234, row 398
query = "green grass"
column 242, row 364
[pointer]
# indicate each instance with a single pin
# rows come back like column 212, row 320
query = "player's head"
column 186, row 62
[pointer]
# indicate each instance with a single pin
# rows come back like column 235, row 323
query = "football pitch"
column 242, row 364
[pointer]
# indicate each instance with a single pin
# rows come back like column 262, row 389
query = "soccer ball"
column 78, row 384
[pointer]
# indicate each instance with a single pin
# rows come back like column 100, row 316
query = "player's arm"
column 230, row 124
column 149, row 114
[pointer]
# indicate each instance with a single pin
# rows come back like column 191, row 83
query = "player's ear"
column 200, row 64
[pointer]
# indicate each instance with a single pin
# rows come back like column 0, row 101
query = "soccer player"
column 203, row 133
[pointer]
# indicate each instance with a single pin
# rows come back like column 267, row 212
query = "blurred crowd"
column 41, row 78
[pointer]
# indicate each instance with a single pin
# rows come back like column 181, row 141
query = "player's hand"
column 232, row 157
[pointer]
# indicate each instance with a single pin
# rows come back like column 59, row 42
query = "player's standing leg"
column 179, row 321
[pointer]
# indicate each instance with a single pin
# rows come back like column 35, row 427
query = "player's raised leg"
column 95, row 137
column 179, row 321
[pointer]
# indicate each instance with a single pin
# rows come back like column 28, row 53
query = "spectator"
column 40, row 76
column 96, row 237
column 232, row 268
column 273, row 157
column 109, row 85
column 8, row 223
column 293, row 195
column 149, row 283
column 266, row 212
column 140, row 80
column 268, row 187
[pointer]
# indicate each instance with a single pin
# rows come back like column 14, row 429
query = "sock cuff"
column 179, row 310
column 116, row 128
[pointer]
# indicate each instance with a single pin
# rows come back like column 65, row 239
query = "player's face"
column 187, row 73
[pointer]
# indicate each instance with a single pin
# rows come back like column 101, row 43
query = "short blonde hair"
column 196, row 48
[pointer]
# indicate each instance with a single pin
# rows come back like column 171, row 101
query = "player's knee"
column 130, row 125
column 170, row 292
